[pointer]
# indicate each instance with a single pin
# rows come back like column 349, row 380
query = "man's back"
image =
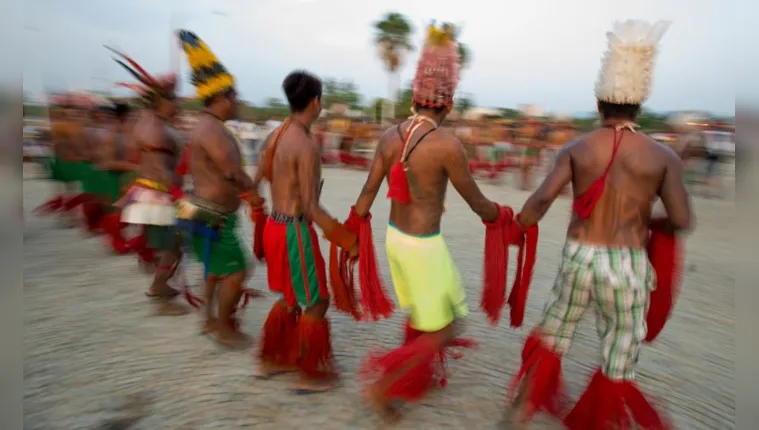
column 426, row 176
column 621, row 216
column 285, row 184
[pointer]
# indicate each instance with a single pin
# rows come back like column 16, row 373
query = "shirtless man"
column 150, row 202
column 616, row 176
column 116, row 166
column 425, row 277
column 291, row 163
column 219, row 181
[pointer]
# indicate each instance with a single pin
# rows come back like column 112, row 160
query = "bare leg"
column 160, row 286
column 209, row 295
column 229, row 297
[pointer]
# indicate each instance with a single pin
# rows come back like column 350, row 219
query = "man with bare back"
column 150, row 201
column 296, row 335
column 418, row 160
column 220, row 185
column 116, row 165
column 616, row 174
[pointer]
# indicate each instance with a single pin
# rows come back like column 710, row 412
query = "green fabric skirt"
column 227, row 254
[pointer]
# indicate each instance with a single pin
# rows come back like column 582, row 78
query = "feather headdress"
column 627, row 66
column 147, row 86
column 437, row 73
column 209, row 76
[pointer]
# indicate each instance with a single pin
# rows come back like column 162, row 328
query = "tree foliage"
column 392, row 37
column 340, row 92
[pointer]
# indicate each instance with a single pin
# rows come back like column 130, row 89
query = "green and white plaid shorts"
column 618, row 282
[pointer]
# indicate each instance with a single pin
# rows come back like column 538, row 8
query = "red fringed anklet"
column 53, row 205
column 540, row 375
column 113, row 228
column 614, row 404
column 279, row 340
column 315, row 357
column 139, row 244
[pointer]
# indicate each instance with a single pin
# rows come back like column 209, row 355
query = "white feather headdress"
column 627, row 66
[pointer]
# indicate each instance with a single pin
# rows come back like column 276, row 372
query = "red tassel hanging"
column 184, row 162
column 374, row 301
column 139, row 245
column 540, row 375
column 93, row 215
column 495, row 266
column 53, row 205
column 279, row 336
column 614, row 404
column 525, row 267
column 258, row 217
column 112, row 226
column 192, row 300
column 398, row 189
column 666, row 257
column 79, row 199
column 315, row 358
column 343, row 293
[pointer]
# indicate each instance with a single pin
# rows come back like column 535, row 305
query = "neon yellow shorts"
column 426, row 279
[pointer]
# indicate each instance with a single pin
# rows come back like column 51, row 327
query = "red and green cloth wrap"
column 258, row 216
column 295, row 266
column 584, row 204
column 499, row 235
column 666, row 257
column 374, row 303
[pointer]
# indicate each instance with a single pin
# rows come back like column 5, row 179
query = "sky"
column 544, row 52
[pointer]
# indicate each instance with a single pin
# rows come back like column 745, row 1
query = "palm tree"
column 465, row 56
column 392, row 35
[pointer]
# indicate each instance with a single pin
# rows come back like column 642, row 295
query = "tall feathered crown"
column 209, row 76
column 148, row 87
column 437, row 73
column 627, row 66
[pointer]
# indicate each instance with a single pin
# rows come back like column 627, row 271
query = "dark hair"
column 618, row 110
column 301, row 88
column 121, row 111
column 437, row 110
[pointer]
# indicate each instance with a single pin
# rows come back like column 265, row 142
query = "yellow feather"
column 216, row 85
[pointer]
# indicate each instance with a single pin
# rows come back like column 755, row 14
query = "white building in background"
column 532, row 110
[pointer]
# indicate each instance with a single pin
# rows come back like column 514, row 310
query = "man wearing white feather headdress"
column 615, row 254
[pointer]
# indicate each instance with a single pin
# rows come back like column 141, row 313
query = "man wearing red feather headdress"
column 150, row 200
column 418, row 159
column 616, row 260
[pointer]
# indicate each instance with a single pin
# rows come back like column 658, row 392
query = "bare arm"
column 222, row 154
column 263, row 154
column 673, row 194
column 457, row 168
column 373, row 181
column 309, row 168
column 541, row 200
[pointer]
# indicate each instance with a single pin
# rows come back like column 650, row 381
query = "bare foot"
column 268, row 370
column 388, row 413
column 315, row 386
column 254, row 293
column 232, row 339
column 168, row 307
column 209, row 326
column 158, row 291
column 517, row 416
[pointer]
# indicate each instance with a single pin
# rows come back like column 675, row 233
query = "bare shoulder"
column 387, row 136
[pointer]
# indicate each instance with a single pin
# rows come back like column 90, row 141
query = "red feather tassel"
column 398, row 189
column 664, row 253
column 93, row 215
column 495, row 266
column 76, row 201
column 258, row 217
column 184, row 162
column 53, row 205
column 139, row 245
column 113, row 228
column 374, row 301
column 527, row 255
column 540, row 375
column 343, row 293
column 279, row 338
column 614, row 404
column 315, row 357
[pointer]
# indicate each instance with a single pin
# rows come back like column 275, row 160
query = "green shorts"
column 112, row 184
column 63, row 171
column 227, row 255
column 163, row 237
column 90, row 177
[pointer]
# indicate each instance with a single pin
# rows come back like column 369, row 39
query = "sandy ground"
column 97, row 358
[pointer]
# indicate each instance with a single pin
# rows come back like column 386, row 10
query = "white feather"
column 627, row 66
